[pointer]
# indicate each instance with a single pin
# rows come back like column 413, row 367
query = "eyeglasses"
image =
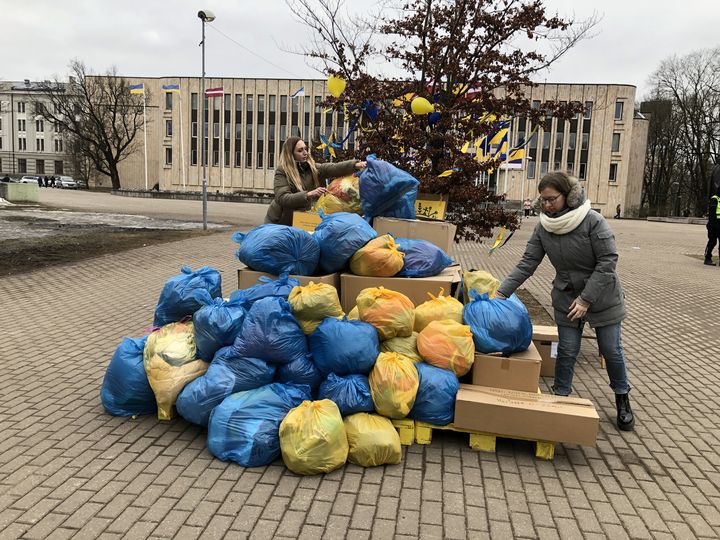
column 550, row 200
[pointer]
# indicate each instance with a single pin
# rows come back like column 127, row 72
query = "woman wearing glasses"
column 586, row 288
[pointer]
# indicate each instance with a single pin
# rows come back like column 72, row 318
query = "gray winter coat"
column 584, row 261
column 287, row 197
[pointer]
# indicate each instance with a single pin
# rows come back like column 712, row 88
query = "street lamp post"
column 206, row 17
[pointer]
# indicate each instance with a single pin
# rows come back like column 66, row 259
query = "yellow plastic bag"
column 391, row 313
column 393, row 385
column 380, row 257
column 313, row 303
column 354, row 315
column 343, row 196
column 436, row 309
column 481, row 281
column 448, row 345
column 169, row 360
column 407, row 346
column 312, row 438
column 373, row 440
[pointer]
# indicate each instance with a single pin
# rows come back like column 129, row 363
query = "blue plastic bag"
column 422, row 258
column 350, row 393
column 267, row 286
column 435, row 400
column 271, row 332
column 301, row 371
column 278, row 248
column 245, row 427
column 383, row 186
column 344, row 347
column 340, row 235
column 216, row 324
column 405, row 207
column 497, row 325
column 228, row 373
column 177, row 299
column 125, row 389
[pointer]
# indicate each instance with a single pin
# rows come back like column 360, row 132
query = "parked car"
column 65, row 182
column 30, row 179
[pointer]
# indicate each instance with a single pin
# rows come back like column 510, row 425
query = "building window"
column 618, row 110
column 616, row 142
column 546, row 140
column 58, row 166
column 536, row 104
column 40, row 145
column 531, row 168
column 168, row 156
column 39, row 126
column 193, row 129
column 193, row 157
column 588, row 110
column 248, row 159
column 543, row 168
column 0, row 148
column 572, row 141
column 271, row 160
column 22, row 165
column 168, row 127
column 56, row 128
column 168, row 101
column 559, row 140
column 259, row 163
column 585, row 141
column 22, row 143
column 21, row 125
column 581, row 171
column 21, row 107
column 40, row 166
column 613, row 172
column 570, row 167
column 216, row 158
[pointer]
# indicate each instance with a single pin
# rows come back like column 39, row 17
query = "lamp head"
column 206, row 15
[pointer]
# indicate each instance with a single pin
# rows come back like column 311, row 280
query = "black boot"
column 625, row 418
column 709, row 261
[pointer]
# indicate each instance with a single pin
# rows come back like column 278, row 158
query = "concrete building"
column 604, row 148
column 28, row 144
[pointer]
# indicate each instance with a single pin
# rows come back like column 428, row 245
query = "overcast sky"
column 160, row 38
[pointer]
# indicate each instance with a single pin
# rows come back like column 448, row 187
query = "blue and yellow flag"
column 174, row 88
column 137, row 88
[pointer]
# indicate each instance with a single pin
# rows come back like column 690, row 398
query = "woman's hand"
column 500, row 296
column 578, row 309
column 361, row 165
column 315, row 193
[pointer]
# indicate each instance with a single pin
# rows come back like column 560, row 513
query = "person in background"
column 297, row 180
column 527, row 206
column 617, row 212
column 586, row 288
column 52, row 181
column 713, row 227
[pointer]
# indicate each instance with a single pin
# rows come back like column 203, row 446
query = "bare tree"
column 98, row 115
column 472, row 59
column 692, row 85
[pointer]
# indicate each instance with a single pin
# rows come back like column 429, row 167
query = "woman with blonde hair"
column 297, row 180
column 581, row 246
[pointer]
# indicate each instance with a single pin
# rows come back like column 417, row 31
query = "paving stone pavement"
column 67, row 469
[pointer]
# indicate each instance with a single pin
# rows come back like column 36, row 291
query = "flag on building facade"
column 175, row 88
column 137, row 88
column 298, row 93
column 218, row 91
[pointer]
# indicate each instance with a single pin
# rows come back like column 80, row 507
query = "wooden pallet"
column 484, row 442
column 406, row 429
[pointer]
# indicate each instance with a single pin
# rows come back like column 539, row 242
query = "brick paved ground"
column 69, row 470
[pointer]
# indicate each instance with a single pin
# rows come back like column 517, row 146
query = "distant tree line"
column 684, row 135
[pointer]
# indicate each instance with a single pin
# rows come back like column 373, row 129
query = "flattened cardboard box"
column 415, row 289
column 307, row 221
column 546, row 339
column 440, row 233
column 541, row 417
column 519, row 371
column 248, row 278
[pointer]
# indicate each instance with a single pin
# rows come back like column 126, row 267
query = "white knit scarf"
column 567, row 222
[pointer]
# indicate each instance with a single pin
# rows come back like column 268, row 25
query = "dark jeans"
column 713, row 230
column 610, row 343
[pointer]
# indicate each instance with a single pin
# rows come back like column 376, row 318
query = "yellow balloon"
column 336, row 85
column 420, row 105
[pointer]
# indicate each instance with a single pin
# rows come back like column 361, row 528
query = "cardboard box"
column 526, row 415
column 415, row 289
column 306, row 221
column 431, row 206
column 519, row 371
column 248, row 278
column 440, row 233
column 546, row 341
